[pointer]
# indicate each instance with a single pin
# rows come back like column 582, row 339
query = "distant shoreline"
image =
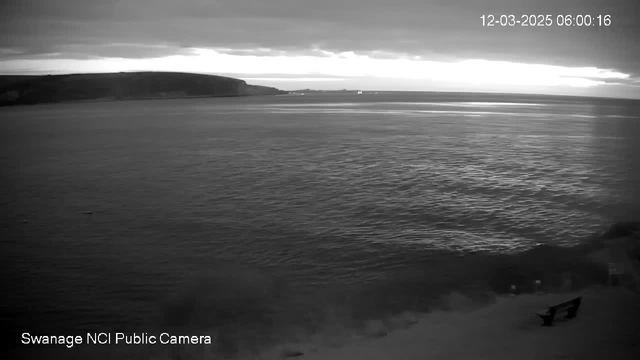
column 90, row 101
column 478, row 96
column 51, row 89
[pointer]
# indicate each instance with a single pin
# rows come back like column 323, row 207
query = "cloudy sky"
column 334, row 44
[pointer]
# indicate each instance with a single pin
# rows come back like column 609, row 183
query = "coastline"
column 607, row 324
column 606, row 328
column 459, row 327
column 508, row 329
column 144, row 85
column 107, row 100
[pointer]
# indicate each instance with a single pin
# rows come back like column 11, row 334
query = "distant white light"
column 291, row 79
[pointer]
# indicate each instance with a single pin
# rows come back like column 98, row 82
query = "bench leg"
column 548, row 319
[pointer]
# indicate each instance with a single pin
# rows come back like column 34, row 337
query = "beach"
column 460, row 327
column 606, row 327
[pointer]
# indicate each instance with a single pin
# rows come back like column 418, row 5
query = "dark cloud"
column 127, row 51
column 427, row 28
column 91, row 51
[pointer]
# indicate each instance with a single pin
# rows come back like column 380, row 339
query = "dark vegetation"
column 19, row 90
column 620, row 229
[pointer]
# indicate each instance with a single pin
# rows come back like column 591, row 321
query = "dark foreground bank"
column 456, row 322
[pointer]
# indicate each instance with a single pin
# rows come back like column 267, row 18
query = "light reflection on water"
column 324, row 191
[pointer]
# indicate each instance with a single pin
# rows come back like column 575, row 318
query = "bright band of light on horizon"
column 338, row 67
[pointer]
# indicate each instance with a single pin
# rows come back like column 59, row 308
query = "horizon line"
column 338, row 90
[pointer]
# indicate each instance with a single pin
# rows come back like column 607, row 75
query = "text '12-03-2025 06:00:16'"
column 511, row 20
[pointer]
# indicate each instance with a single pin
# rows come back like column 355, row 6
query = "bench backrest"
column 568, row 304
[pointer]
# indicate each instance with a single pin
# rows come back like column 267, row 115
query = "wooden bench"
column 571, row 307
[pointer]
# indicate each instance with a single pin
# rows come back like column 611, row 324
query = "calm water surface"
column 321, row 191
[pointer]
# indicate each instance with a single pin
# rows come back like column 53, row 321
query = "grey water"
column 118, row 215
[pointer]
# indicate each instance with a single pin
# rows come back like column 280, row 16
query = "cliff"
column 16, row 90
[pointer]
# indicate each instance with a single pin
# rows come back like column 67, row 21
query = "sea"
column 266, row 219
